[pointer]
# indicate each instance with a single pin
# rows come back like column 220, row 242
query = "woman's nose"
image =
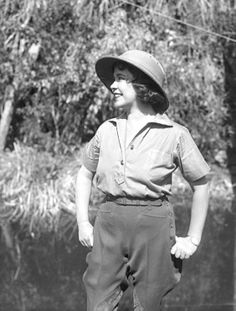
column 113, row 85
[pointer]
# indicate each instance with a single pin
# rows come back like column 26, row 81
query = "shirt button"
column 122, row 162
column 132, row 147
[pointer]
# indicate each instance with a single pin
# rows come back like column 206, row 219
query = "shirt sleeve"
column 189, row 159
column 91, row 151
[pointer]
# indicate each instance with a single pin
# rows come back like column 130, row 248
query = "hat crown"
column 147, row 63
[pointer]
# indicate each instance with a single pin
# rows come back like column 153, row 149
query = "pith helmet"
column 141, row 60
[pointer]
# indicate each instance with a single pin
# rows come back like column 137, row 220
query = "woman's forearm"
column 83, row 191
column 199, row 210
column 187, row 246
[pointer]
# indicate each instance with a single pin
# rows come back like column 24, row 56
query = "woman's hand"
column 86, row 234
column 183, row 248
column 186, row 246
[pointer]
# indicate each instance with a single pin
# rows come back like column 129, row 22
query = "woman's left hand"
column 183, row 248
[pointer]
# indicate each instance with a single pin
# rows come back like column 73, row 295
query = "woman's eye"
column 120, row 78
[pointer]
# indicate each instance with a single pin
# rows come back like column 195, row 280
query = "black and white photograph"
column 117, row 155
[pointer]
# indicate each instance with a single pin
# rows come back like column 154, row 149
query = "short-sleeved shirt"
column 144, row 168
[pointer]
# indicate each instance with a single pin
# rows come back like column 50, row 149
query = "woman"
column 133, row 157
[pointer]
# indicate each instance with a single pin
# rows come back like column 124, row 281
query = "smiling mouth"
column 116, row 95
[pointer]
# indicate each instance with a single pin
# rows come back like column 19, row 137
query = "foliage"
column 48, row 50
column 34, row 188
column 46, row 58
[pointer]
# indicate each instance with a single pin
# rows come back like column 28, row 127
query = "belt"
column 136, row 201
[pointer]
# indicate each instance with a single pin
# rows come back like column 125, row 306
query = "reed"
column 37, row 189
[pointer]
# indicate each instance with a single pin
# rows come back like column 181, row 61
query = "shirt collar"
column 162, row 119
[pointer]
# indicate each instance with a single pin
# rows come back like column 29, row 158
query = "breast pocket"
column 156, row 158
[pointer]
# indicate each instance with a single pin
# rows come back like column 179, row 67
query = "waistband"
column 136, row 201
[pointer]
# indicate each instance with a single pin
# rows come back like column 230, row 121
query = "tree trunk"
column 230, row 87
column 6, row 115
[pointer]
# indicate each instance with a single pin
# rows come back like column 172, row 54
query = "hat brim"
column 104, row 68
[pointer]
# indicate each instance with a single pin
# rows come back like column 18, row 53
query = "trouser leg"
column 106, row 265
column 155, row 272
column 137, row 241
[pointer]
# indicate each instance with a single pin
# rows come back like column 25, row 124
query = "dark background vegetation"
column 51, row 103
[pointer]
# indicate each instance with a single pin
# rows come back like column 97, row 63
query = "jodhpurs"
column 132, row 239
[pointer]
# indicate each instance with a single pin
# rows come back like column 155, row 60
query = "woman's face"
column 122, row 88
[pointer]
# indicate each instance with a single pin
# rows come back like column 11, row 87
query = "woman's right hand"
column 86, row 234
